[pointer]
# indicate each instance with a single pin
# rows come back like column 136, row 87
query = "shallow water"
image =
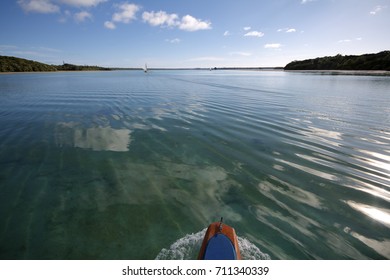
column 124, row 165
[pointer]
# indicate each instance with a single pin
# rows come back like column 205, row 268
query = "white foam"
column 249, row 251
column 185, row 248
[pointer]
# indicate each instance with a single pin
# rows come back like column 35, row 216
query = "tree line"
column 377, row 61
column 15, row 64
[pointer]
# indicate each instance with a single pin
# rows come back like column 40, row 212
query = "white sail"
column 145, row 68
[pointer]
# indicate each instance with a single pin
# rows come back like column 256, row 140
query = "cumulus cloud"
column 273, row 46
column 189, row 23
column 163, row 19
column 83, row 3
column 109, row 25
column 246, row 28
column 306, row 1
column 160, row 18
column 254, row 34
column 226, row 33
column 82, row 16
column 38, row 6
column 126, row 12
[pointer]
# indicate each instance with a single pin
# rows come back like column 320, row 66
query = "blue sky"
column 191, row 33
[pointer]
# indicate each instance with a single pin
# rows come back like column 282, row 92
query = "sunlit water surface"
column 127, row 165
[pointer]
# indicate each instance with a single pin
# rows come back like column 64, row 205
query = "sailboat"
column 145, row 68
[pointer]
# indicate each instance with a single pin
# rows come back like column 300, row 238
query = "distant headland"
column 366, row 62
column 15, row 64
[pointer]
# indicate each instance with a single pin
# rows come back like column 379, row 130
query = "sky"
column 191, row 33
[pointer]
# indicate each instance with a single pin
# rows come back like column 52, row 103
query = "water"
column 127, row 165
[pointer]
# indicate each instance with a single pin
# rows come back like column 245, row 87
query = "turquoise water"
column 127, row 165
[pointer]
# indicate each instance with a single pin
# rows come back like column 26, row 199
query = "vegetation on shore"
column 15, row 64
column 378, row 61
column 71, row 67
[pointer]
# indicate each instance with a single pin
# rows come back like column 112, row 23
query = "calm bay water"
column 127, row 165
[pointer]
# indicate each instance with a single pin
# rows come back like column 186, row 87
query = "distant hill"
column 15, row 64
column 378, row 61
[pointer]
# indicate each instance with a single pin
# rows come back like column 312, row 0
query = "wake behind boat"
column 220, row 243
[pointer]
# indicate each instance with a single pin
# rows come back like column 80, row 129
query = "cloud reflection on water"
column 94, row 138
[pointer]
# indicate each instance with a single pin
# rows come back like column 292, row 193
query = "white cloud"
column 173, row 41
column 241, row 53
column 306, row 1
column 52, row 6
column 160, row 18
column 376, row 10
column 273, row 46
column 39, row 6
column 345, row 41
column 254, row 34
column 83, row 3
column 189, row 23
column 349, row 40
column 109, row 25
column 226, row 33
column 82, row 16
column 246, row 28
column 287, row 30
column 126, row 12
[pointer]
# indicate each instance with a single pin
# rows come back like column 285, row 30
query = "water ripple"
column 299, row 164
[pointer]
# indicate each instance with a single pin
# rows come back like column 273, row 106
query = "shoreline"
column 344, row 72
column 265, row 69
column 157, row 69
column 62, row 71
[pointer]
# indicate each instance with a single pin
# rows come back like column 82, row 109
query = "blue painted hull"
column 220, row 243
